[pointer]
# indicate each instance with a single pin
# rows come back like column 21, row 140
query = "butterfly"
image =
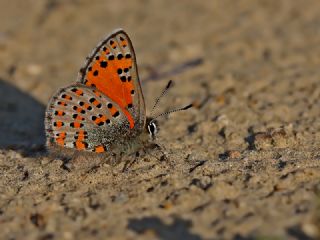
column 104, row 111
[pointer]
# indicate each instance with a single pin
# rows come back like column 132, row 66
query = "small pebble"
column 34, row 69
column 234, row 154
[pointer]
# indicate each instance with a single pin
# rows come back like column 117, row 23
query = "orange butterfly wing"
column 112, row 69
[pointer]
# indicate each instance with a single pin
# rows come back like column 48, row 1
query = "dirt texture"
column 244, row 163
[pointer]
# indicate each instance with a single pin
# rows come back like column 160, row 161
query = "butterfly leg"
column 130, row 162
column 159, row 149
column 163, row 152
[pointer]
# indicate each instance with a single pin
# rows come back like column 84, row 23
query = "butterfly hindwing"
column 85, row 119
column 112, row 70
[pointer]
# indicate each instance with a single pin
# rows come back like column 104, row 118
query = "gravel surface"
column 244, row 163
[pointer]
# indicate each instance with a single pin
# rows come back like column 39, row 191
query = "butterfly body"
column 105, row 110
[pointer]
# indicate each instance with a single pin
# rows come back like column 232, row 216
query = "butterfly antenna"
column 172, row 111
column 164, row 92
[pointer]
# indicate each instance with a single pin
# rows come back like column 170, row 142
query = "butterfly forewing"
column 85, row 119
column 112, row 70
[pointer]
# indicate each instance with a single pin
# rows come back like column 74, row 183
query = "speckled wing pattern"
column 105, row 106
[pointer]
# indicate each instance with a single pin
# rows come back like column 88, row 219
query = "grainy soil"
column 244, row 163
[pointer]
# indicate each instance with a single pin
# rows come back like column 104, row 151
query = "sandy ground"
column 243, row 164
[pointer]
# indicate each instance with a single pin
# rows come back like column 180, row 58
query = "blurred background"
column 250, row 67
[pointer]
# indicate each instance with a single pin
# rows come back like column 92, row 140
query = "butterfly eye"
column 152, row 129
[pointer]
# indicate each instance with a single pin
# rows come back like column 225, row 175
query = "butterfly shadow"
column 21, row 121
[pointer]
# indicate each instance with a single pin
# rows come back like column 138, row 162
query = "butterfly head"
column 152, row 123
column 152, row 128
